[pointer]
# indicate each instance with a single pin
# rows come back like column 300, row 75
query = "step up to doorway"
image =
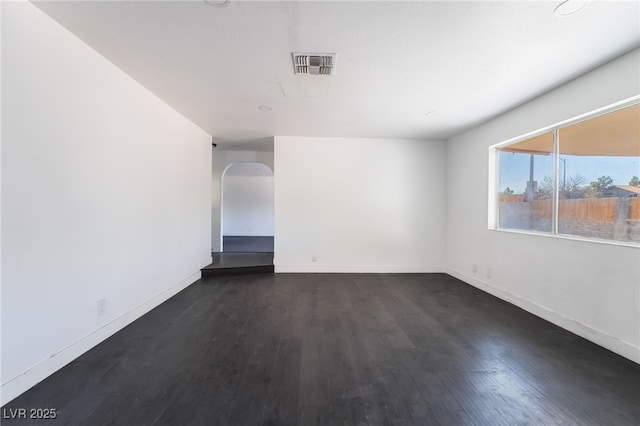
column 238, row 264
column 219, row 272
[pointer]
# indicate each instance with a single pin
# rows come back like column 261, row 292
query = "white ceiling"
column 468, row 61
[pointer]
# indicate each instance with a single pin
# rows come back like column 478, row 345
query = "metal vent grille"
column 314, row 63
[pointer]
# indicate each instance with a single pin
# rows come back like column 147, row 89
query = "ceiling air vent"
column 314, row 63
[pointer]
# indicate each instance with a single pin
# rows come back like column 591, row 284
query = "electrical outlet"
column 488, row 272
column 102, row 307
column 474, row 268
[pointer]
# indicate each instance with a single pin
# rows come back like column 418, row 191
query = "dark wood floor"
column 246, row 244
column 327, row 349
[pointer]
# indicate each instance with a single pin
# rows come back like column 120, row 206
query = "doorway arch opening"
column 247, row 208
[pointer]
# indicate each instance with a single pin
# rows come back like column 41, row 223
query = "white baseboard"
column 34, row 375
column 598, row 337
column 360, row 269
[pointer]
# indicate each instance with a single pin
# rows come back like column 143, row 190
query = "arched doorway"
column 247, row 208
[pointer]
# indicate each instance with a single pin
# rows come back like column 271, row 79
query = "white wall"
column 359, row 205
column 221, row 161
column 105, row 195
column 248, row 205
column 588, row 288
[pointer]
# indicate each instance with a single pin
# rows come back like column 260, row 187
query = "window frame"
column 494, row 168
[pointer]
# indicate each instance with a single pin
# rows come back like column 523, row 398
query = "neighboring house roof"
column 634, row 189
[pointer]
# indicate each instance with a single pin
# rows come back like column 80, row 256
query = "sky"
column 514, row 169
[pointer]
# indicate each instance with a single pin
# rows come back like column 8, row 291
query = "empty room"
column 227, row 212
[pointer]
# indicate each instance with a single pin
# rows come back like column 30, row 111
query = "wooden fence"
column 519, row 198
column 586, row 209
column 590, row 209
column 634, row 213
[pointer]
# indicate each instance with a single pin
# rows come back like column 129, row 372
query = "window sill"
column 570, row 237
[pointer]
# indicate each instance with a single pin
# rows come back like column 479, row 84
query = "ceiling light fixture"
column 570, row 7
column 265, row 108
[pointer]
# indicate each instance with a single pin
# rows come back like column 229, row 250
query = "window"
column 579, row 179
